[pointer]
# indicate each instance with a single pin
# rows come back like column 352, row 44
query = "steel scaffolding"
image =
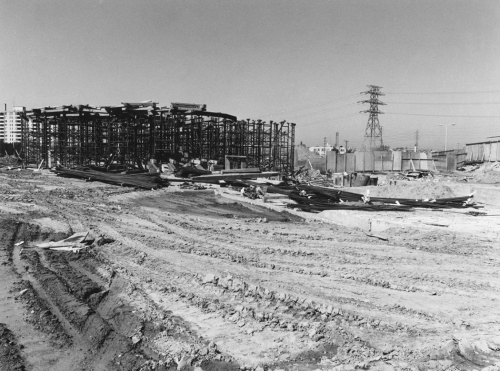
column 133, row 133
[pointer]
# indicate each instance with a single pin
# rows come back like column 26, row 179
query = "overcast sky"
column 303, row 61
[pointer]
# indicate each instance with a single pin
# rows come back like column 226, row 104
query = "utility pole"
column 373, row 132
column 446, row 134
column 326, row 157
column 337, row 139
column 345, row 161
column 416, row 141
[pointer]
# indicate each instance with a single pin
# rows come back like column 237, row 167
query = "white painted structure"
column 10, row 125
column 321, row 150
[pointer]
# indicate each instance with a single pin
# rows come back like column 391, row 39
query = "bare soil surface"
column 194, row 280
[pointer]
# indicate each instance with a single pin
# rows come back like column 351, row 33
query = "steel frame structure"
column 373, row 131
column 133, row 133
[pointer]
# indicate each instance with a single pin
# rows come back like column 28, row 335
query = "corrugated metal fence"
column 370, row 161
column 485, row 151
column 449, row 160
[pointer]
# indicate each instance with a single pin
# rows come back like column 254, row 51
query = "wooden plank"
column 246, row 170
column 235, row 176
column 70, row 241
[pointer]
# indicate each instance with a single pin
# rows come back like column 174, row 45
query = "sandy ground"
column 206, row 280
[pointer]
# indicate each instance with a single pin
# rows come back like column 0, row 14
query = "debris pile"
column 231, row 177
column 9, row 162
column 420, row 175
column 74, row 243
column 488, row 173
column 316, row 199
column 142, row 180
column 469, row 167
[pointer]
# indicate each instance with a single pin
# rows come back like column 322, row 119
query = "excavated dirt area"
column 204, row 280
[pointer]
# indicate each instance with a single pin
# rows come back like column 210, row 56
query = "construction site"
column 133, row 133
column 142, row 237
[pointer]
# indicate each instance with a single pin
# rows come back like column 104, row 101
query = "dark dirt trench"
column 24, row 342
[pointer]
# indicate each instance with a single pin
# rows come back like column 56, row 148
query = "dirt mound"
column 487, row 178
column 488, row 173
column 413, row 190
column 487, row 167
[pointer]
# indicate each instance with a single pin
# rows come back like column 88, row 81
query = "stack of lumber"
column 144, row 181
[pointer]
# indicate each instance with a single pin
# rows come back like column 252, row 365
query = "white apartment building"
column 2, row 126
column 10, row 125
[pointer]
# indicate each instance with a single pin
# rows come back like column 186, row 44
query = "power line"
column 411, row 136
column 304, row 108
column 325, row 120
column 309, row 108
column 449, row 92
column 444, row 104
column 325, row 110
column 424, row 114
column 327, row 102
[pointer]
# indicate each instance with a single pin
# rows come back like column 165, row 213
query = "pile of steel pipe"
column 317, row 205
column 313, row 198
column 143, row 181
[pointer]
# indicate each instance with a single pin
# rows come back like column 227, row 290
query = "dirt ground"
column 204, row 280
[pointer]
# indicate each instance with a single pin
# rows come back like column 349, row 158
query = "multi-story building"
column 10, row 125
column 2, row 126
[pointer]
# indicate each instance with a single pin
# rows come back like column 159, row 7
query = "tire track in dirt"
column 398, row 265
column 180, row 230
column 397, row 302
column 38, row 349
column 385, row 284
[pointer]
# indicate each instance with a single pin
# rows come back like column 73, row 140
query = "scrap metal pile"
column 131, row 134
column 233, row 177
column 317, row 199
column 143, row 181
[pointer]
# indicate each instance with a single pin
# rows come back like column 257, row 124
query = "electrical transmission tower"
column 373, row 132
